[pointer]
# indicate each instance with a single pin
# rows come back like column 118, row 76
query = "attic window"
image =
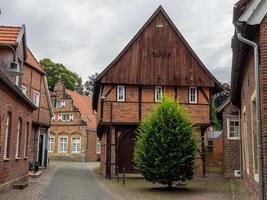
column 159, row 25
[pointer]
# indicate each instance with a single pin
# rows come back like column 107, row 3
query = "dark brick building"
column 229, row 116
column 157, row 61
column 73, row 128
column 15, row 128
column 25, row 107
column 34, row 85
column 251, row 23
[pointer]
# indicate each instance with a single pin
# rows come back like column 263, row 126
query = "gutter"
column 48, row 97
column 258, row 107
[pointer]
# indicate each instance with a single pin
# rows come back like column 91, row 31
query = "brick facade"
column 33, row 81
column 145, row 65
column 231, row 147
column 81, row 125
column 12, row 168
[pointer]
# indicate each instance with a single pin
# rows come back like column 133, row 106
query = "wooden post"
column 110, row 142
column 203, row 153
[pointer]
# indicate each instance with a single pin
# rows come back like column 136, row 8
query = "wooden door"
column 126, row 149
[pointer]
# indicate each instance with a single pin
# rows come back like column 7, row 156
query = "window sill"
column 6, row 159
column 17, row 158
column 233, row 139
column 25, row 158
column 75, row 152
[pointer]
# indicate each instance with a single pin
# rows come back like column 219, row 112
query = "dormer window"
column 158, row 93
column 24, row 89
column 36, row 98
column 120, row 93
column 192, row 94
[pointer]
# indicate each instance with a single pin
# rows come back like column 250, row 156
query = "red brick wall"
column 128, row 111
column 263, row 50
column 247, row 90
column 231, row 157
column 13, row 168
column 34, row 81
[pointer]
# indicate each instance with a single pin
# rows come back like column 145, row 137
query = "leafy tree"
column 165, row 147
column 214, row 117
column 89, row 84
column 58, row 72
column 221, row 97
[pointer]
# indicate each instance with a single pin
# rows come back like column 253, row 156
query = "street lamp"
column 13, row 70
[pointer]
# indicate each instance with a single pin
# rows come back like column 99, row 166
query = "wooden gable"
column 158, row 55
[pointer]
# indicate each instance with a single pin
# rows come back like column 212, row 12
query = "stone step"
column 21, row 185
column 35, row 174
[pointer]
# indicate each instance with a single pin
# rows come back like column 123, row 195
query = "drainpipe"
column 258, row 107
column 240, row 147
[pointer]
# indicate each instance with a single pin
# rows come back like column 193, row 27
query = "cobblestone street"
column 82, row 181
column 63, row 180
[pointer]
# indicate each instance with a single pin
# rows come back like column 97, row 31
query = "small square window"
column 120, row 93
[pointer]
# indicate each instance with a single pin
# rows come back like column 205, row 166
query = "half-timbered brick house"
column 73, row 127
column 157, row 61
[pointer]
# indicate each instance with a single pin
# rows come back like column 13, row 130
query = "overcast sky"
column 86, row 35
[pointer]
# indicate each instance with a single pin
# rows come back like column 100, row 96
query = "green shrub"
column 165, row 146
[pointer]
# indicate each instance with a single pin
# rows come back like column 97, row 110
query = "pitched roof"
column 83, row 103
column 9, row 34
column 221, row 107
column 32, row 62
column 154, row 15
column 16, row 90
column 255, row 12
column 247, row 16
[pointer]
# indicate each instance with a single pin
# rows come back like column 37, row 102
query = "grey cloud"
column 86, row 35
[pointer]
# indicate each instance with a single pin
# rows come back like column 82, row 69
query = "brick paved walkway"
column 63, row 180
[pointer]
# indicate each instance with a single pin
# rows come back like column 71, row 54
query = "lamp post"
column 13, row 70
column 103, row 98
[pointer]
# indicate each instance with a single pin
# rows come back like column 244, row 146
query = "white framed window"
column 158, row 93
column 76, row 144
column 254, row 136
column 245, row 141
column 26, row 140
column 24, row 89
column 51, row 143
column 192, row 94
column 65, row 117
column 17, row 155
column 17, row 80
column 36, row 98
column 120, row 93
column 233, row 129
column 7, row 136
column 59, row 103
column 53, row 118
column 98, row 146
column 63, row 144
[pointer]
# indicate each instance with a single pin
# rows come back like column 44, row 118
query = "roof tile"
column 83, row 103
column 9, row 34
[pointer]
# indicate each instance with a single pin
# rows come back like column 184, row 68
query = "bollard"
column 118, row 175
column 123, row 175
